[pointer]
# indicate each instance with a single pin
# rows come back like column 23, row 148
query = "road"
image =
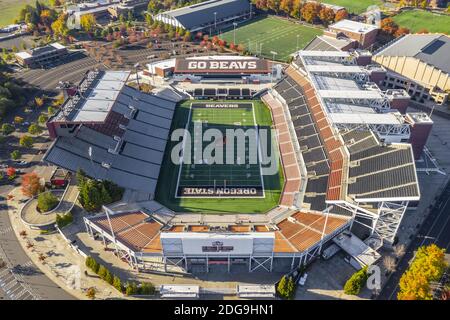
column 436, row 229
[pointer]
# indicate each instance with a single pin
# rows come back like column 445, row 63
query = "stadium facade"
column 418, row 63
column 346, row 150
column 207, row 15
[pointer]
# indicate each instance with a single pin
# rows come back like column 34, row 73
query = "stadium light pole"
column 297, row 41
column 136, row 66
column 274, row 53
column 234, row 32
column 215, row 21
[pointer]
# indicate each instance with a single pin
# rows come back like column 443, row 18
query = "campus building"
column 39, row 57
column 207, row 15
column 419, row 64
column 365, row 34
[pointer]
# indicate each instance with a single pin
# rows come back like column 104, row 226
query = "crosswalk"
column 5, row 230
column 14, row 287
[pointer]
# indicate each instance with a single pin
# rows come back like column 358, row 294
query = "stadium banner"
column 228, row 191
column 238, row 66
column 224, row 105
column 218, row 245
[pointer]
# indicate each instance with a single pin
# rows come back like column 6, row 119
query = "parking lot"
column 71, row 70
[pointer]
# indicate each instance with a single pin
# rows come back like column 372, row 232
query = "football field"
column 231, row 170
column 242, row 186
column 272, row 34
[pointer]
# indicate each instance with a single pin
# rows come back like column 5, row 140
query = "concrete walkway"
column 60, row 263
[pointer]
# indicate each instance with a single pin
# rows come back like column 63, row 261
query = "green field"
column 274, row 34
column 10, row 9
column 354, row 6
column 218, row 174
column 416, row 20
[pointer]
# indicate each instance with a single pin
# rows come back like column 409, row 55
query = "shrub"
column 147, row 288
column 47, row 201
column 90, row 293
column 34, row 129
column 92, row 264
column 7, row 129
column 102, row 271
column 43, row 118
column 109, row 277
column 117, row 284
column 15, row 154
column 356, row 282
column 131, row 289
column 64, row 220
column 26, row 141
column 286, row 287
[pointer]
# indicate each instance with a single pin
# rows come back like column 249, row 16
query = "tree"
column 399, row 251
column 31, row 184
column 87, row 22
column 428, row 265
column 187, row 36
column 401, row 31
column 7, row 129
column 47, row 201
column 147, row 288
column 109, row 277
column 341, row 15
column 26, row 141
column 326, row 15
column 117, row 284
column 18, row 120
column 388, row 26
column 356, row 282
column 90, row 293
column 59, row 26
column 34, row 129
column 15, row 154
column 310, row 11
column 131, row 289
column 39, row 101
column 282, row 287
column 102, row 271
column 389, row 264
column 43, row 118
column 11, row 172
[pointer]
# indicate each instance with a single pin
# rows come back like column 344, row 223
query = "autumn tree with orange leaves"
column 31, row 184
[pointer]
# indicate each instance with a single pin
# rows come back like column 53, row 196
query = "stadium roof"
column 433, row 49
column 354, row 26
column 126, row 150
column 203, row 13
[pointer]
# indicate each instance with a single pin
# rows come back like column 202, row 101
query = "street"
column 435, row 229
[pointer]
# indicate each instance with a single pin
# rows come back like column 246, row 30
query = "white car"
column 21, row 163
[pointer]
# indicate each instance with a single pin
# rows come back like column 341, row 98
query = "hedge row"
column 356, row 282
column 131, row 288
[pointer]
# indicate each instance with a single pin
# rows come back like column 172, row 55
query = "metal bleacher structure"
column 341, row 123
column 112, row 131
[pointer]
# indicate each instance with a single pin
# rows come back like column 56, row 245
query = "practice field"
column 416, row 20
column 10, row 9
column 237, row 177
column 354, row 6
column 239, row 186
column 272, row 34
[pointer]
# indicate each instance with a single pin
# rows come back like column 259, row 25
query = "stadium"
column 344, row 154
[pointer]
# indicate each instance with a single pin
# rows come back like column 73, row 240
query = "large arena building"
column 346, row 151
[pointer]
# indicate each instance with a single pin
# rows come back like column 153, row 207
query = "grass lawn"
column 354, row 6
column 168, row 176
column 10, row 9
column 416, row 20
column 274, row 34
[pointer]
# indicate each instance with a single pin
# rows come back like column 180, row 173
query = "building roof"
column 203, row 13
column 327, row 43
column 434, row 49
column 354, row 26
column 36, row 52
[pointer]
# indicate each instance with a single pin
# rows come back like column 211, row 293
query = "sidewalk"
column 62, row 264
